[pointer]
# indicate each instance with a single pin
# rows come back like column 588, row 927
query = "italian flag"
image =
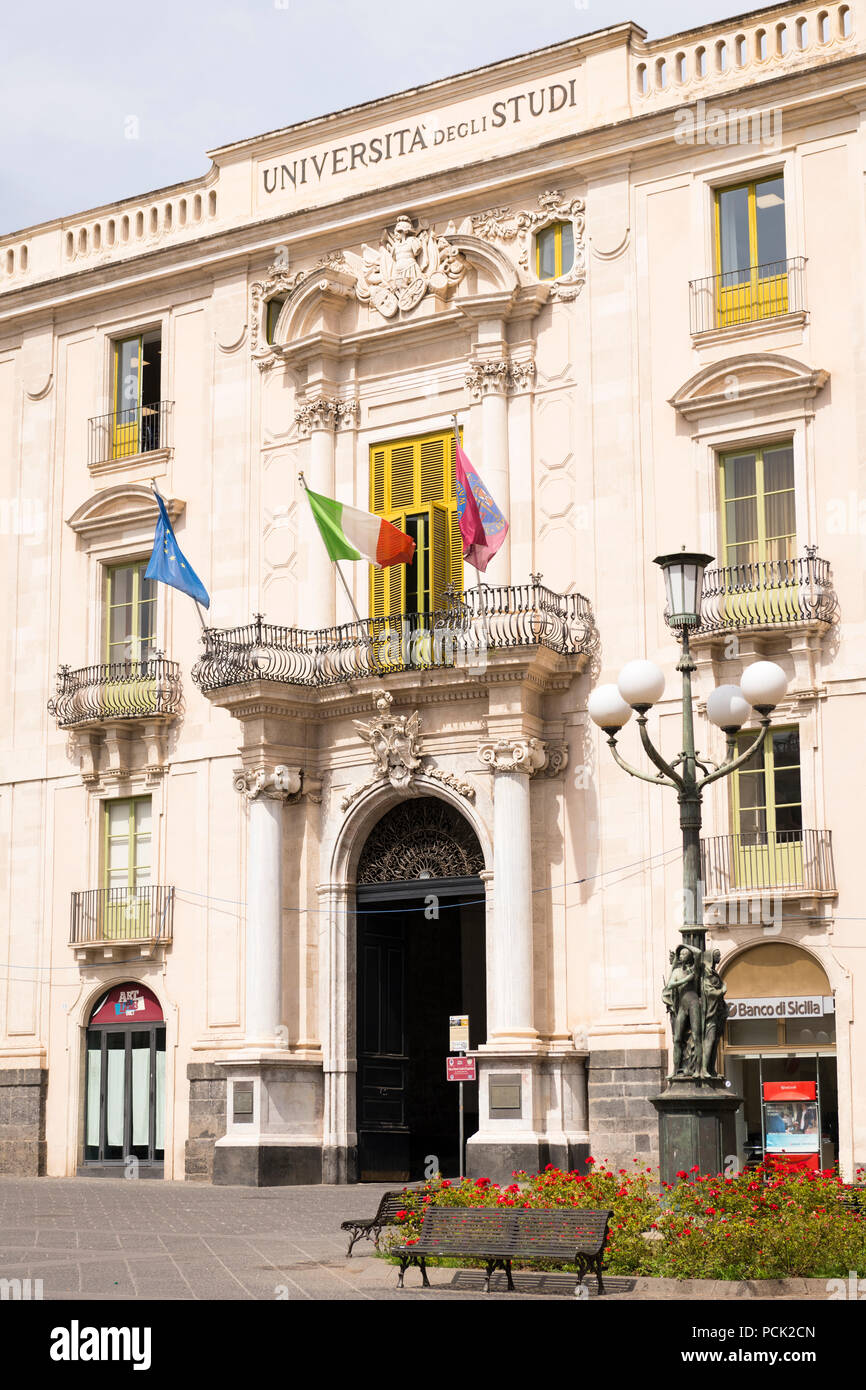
column 350, row 534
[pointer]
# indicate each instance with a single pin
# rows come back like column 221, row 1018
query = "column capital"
column 279, row 783
column 325, row 413
column 529, row 755
column 498, row 376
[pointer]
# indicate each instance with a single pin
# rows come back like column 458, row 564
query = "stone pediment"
column 752, row 379
column 128, row 510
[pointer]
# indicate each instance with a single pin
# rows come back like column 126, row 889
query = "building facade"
column 249, row 873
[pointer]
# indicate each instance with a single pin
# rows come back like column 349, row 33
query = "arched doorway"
column 780, row 1055
column 420, row 960
column 124, row 1099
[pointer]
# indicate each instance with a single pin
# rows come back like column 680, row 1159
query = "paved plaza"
column 106, row 1239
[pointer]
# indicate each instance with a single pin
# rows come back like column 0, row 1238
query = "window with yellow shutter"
column 412, row 486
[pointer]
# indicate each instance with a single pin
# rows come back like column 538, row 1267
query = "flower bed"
column 758, row 1225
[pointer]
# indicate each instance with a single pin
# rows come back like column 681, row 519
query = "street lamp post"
column 697, row 1105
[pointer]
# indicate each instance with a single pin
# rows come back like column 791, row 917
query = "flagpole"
column 481, row 603
column 195, row 600
column 302, row 480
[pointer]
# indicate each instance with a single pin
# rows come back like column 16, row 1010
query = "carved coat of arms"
column 408, row 263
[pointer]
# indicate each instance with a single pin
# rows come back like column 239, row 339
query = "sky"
column 111, row 100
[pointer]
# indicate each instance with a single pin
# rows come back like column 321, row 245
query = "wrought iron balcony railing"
column 768, row 861
column 124, row 433
column 118, row 690
column 748, row 295
column 461, row 635
column 122, row 914
column 769, row 593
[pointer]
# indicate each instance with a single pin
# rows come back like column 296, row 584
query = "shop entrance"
column 420, row 959
column 124, row 1103
column 780, row 1054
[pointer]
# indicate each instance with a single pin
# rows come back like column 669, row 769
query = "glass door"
column 125, row 1094
column 751, row 264
column 759, row 535
column 768, row 813
column 130, row 639
column 128, row 364
column 127, row 858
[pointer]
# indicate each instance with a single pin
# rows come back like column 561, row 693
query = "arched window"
column 554, row 250
column 273, row 313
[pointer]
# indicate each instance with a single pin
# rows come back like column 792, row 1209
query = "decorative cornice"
column 499, row 376
column 527, row 755
column 326, row 413
column 748, row 380
column 278, row 784
column 502, row 224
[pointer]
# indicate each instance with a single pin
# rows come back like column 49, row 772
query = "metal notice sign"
column 458, row 1033
column 460, row 1068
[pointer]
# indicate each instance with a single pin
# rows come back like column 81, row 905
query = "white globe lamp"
column 641, row 683
column 728, row 708
column 764, row 684
column 608, row 709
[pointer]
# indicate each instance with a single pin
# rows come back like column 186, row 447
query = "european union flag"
column 168, row 563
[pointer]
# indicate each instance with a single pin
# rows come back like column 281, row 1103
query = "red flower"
column 681, row 1173
column 695, row 1168
column 589, row 1160
column 446, row 1182
column 401, row 1215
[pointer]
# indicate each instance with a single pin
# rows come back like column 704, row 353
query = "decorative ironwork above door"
column 421, row 838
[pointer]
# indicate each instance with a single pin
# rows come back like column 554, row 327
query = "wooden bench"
column 572, row 1236
column 853, row 1198
column 371, row 1228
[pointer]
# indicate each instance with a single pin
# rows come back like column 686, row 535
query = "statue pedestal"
column 696, row 1125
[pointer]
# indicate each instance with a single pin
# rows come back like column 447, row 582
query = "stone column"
column 273, row 1086
column 265, row 792
column 514, row 762
column 490, row 380
column 318, row 419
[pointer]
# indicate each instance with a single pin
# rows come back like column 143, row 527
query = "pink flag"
column 482, row 525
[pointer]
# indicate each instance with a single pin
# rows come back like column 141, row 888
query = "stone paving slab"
column 108, row 1239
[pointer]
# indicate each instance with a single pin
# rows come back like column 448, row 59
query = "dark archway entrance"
column 421, row 958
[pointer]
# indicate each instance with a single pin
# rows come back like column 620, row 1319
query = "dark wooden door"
column 383, row 1048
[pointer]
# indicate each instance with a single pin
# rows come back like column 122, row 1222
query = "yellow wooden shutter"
column 433, row 469
column 402, row 491
column 377, row 480
column 455, row 549
column 440, row 562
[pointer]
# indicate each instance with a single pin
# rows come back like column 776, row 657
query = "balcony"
column 750, row 295
column 121, row 922
column 126, row 434
column 118, row 690
column 466, row 635
column 769, row 594
column 791, row 863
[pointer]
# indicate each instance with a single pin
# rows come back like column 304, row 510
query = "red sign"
column 129, row 1003
column 789, row 1090
column 792, row 1163
column 460, row 1068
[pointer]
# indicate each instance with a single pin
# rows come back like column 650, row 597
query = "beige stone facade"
column 603, row 400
